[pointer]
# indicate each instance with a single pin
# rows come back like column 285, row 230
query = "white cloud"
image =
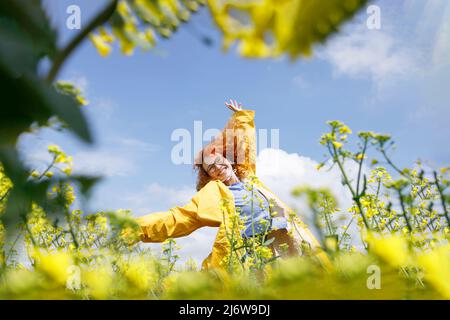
column 282, row 172
column 372, row 54
column 414, row 39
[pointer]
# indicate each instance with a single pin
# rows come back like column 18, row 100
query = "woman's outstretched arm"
column 201, row 211
column 174, row 223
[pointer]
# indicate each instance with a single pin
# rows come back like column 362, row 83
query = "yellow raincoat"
column 207, row 209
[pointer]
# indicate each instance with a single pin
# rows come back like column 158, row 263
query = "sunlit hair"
column 203, row 177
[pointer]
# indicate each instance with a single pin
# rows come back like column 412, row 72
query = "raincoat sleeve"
column 237, row 141
column 202, row 210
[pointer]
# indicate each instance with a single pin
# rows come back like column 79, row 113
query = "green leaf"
column 32, row 19
column 27, row 100
column 25, row 37
column 86, row 183
column 17, row 53
column 24, row 191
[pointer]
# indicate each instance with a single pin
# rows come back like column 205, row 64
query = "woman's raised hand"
column 234, row 105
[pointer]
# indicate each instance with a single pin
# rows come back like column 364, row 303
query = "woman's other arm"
column 202, row 210
column 238, row 134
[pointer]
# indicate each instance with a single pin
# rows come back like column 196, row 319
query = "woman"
column 227, row 184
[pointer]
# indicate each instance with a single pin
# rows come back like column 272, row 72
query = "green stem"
column 4, row 195
column 11, row 248
column 360, row 165
column 231, row 241
column 48, row 168
column 319, row 229
column 63, row 54
column 408, row 224
column 441, row 194
column 253, row 224
column 231, row 244
column 27, row 227
column 346, row 228
column 348, row 184
column 383, row 152
column 72, row 232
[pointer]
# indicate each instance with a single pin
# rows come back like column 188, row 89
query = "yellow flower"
column 98, row 281
column 445, row 170
column 254, row 48
column 436, row 265
column 102, row 47
column 393, row 250
column 106, row 36
column 53, row 149
column 49, row 174
column 35, row 174
column 338, row 145
column 264, row 252
column 344, row 129
column 67, row 170
column 331, row 243
column 54, row 265
column 150, row 37
column 82, row 100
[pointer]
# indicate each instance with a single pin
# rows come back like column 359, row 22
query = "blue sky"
column 393, row 80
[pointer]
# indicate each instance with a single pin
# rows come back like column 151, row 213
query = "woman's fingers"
column 228, row 106
column 234, row 105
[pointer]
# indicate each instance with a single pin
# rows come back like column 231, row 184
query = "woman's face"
column 218, row 167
